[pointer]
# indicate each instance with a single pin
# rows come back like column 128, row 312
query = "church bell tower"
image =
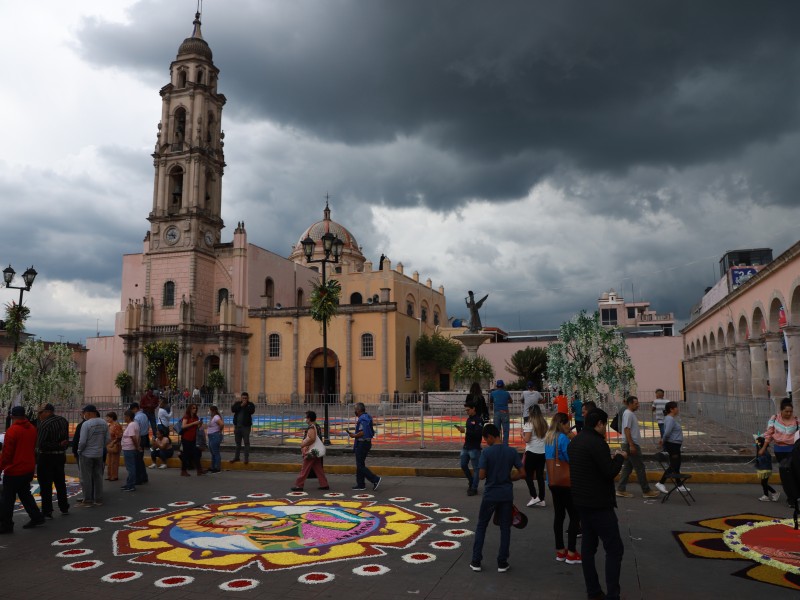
column 188, row 158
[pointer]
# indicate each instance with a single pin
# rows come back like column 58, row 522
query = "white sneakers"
column 536, row 502
column 662, row 488
column 684, row 489
column 164, row 466
column 764, row 499
column 151, row 466
column 775, row 497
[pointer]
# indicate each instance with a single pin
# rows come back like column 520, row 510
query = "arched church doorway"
column 314, row 376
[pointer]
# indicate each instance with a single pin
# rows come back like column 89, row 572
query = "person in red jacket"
column 18, row 463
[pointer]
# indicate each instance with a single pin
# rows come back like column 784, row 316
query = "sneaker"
column 128, row 489
column 541, row 504
column 532, row 501
column 662, row 488
column 297, row 489
column 775, row 496
column 561, row 556
column 376, row 484
column 358, row 488
column 472, row 492
column 324, row 488
column 574, row 558
column 624, row 494
column 764, row 499
column 162, row 466
column 503, row 567
column 98, row 503
column 86, row 504
column 684, row 489
column 650, row 494
column 152, row 466
column 475, row 566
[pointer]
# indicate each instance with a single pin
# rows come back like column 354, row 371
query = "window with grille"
column 367, row 346
column 274, row 345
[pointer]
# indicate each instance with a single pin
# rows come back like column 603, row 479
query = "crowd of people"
column 580, row 470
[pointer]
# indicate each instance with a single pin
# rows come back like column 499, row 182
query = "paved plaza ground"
column 420, row 549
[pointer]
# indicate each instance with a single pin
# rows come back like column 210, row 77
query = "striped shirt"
column 51, row 433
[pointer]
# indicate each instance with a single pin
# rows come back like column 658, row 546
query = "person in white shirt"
column 530, row 397
column 533, row 432
column 658, row 409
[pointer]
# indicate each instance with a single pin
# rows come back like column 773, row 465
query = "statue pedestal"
column 471, row 342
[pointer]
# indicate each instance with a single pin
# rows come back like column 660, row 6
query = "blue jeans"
column 502, row 423
column 601, row 524
column 488, row 507
column 214, row 442
column 362, row 472
column 471, row 455
column 130, row 465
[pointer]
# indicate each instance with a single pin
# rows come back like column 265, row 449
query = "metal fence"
column 710, row 423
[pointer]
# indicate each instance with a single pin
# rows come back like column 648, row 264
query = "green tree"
column 528, row 364
column 16, row 315
column 324, row 301
column 435, row 354
column 123, row 382
column 216, row 381
column 468, row 370
column 161, row 354
column 589, row 357
column 40, row 374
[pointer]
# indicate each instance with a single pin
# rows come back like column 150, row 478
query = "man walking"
column 149, row 406
column 51, row 455
column 498, row 495
column 362, row 443
column 143, row 422
column 658, row 409
column 632, row 447
column 242, row 424
column 92, row 443
column 18, row 462
column 592, row 473
column 500, row 399
column 471, row 452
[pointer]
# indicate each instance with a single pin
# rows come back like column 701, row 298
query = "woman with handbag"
column 189, row 425
column 313, row 451
column 215, row 429
column 555, row 451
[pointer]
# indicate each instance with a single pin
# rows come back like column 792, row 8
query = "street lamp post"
column 28, row 276
column 332, row 247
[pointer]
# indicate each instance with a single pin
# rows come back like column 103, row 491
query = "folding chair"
column 677, row 480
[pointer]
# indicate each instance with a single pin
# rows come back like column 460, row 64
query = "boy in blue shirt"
column 473, row 432
column 496, row 463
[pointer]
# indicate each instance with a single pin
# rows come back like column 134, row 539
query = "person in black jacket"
column 242, row 423
column 592, row 473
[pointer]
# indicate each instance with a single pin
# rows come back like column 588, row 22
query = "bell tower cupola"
column 188, row 158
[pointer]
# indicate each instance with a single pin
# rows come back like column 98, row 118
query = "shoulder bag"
column 317, row 449
column 557, row 471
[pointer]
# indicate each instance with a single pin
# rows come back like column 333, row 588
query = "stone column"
column 243, row 367
column 262, row 362
column 348, row 373
column 775, row 369
column 793, row 352
column 720, row 372
column 744, row 386
column 730, row 371
column 295, row 357
column 385, row 356
column 758, row 368
column 710, row 373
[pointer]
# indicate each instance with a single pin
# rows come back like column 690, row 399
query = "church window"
column 408, row 358
column 409, row 308
column 200, row 77
column 221, row 295
column 436, row 317
column 269, row 292
column 300, row 296
column 176, row 190
column 274, row 345
column 180, row 129
column 355, row 298
column 367, row 346
column 210, row 128
column 182, row 79
column 423, row 313
column 169, row 294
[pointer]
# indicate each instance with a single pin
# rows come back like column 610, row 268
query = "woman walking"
column 533, row 432
column 781, row 430
column 310, row 461
column 214, row 431
column 114, row 446
column 130, row 449
column 671, row 442
column 189, row 425
column 556, row 442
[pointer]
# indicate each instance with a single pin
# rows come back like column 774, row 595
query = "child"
column 496, row 464
column 764, row 470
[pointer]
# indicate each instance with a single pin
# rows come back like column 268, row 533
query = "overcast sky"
column 540, row 152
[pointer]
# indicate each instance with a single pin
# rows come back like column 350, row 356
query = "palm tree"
column 529, row 364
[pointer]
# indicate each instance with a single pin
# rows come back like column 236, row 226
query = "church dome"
column 351, row 252
column 196, row 44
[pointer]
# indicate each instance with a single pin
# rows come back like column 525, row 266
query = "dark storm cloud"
column 605, row 86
